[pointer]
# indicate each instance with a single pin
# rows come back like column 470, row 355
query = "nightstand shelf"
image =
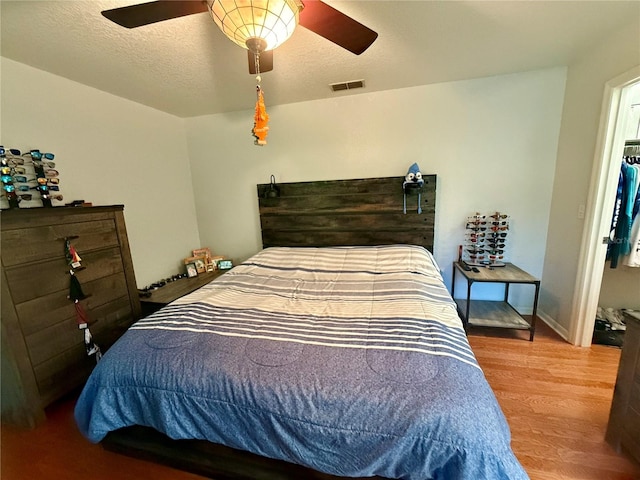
column 495, row 314
column 174, row 290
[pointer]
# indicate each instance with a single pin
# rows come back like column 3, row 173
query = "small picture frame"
column 206, row 253
column 200, row 263
column 192, row 271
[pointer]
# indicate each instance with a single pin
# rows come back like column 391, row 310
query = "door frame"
column 600, row 203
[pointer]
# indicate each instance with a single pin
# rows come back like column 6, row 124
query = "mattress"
column 349, row 360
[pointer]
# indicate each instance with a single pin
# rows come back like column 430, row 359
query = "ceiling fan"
column 256, row 24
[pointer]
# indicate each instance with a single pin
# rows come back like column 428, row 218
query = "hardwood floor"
column 556, row 398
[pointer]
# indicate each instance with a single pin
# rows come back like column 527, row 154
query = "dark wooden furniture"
column 173, row 290
column 205, row 458
column 347, row 212
column 43, row 351
column 623, row 430
column 311, row 214
column 495, row 314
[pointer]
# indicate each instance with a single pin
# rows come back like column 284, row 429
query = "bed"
column 319, row 361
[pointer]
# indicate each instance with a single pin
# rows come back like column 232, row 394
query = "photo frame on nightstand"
column 200, row 262
column 206, row 252
column 192, row 271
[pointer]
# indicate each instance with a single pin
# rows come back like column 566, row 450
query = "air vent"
column 336, row 87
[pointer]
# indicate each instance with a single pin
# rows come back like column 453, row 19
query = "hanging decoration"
column 261, row 117
column 76, row 294
column 261, row 121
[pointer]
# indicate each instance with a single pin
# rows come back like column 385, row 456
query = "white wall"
column 491, row 141
column 109, row 151
column 576, row 150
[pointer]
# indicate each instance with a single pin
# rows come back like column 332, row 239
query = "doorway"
column 615, row 123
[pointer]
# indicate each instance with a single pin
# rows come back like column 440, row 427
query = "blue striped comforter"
column 348, row 360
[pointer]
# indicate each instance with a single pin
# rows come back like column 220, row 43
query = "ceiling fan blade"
column 266, row 62
column 146, row 13
column 336, row 27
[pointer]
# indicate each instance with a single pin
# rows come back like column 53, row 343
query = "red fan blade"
column 336, row 27
column 146, row 13
column 266, row 62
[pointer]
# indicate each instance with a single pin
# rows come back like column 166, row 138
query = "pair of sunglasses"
column 12, row 161
column 22, row 196
column 9, row 151
column 13, row 170
column 52, row 197
column 38, row 155
column 499, row 216
column 44, row 163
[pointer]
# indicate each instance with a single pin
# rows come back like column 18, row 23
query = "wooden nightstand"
column 498, row 314
column 174, row 290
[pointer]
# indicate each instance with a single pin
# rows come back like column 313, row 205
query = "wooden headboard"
column 367, row 211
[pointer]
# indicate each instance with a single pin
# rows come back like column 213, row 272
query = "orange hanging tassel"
column 261, row 121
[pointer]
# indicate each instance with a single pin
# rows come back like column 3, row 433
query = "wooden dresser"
column 623, row 431
column 43, row 351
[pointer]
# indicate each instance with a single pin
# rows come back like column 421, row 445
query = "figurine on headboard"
column 413, row 179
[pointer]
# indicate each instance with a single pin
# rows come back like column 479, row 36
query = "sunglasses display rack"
column 485, row 239
column 29, row 179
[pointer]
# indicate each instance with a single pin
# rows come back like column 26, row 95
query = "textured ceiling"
column 187, row 67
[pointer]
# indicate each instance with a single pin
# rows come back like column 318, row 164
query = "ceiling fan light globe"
column 240, row 20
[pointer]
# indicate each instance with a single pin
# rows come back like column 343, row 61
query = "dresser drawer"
column 35, row 280
column 63, row 373
column 36, row 244
column 41, row 313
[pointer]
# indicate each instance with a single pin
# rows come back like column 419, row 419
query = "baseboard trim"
column 555, row 326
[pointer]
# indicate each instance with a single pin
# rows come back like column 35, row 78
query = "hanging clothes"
column 632, row 258
column 622, row 238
